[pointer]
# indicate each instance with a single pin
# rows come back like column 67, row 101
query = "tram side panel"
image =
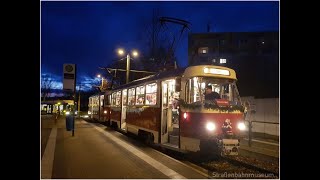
column 115, row 115
column 144, row 119
column 106, row 115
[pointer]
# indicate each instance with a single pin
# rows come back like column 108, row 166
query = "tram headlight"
column 210, row 126
column 241, row 126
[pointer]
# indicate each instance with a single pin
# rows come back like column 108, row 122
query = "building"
column 52, row 105
column 254, row 56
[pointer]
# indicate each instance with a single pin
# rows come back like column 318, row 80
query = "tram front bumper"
column 230, row 147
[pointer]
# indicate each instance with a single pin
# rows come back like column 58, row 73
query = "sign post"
column 69, row 84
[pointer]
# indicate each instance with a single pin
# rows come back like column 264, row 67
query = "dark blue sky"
column 88, row 33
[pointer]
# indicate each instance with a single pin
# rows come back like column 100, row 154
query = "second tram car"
column 171, row 109
column 96, row 110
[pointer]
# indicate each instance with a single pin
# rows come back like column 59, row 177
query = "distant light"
column 99, row 76
column 262, row 42
column 105, row 111
column 223, row 61
column 67, row 113
column 206, row 70
column 121, row 51
column 204, row 51
column 135, row 53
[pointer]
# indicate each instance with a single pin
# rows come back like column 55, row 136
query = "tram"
column 171, row 109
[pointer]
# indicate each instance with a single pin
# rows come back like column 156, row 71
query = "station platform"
column 98, row 152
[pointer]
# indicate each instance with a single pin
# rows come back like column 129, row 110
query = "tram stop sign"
column 69, row 77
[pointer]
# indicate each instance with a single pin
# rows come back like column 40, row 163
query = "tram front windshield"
column 196, row 89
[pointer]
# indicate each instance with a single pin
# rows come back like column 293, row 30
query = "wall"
column 266, row 117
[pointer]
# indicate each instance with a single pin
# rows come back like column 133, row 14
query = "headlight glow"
column 105, row 111
column 210, row 126
column 241, row 126
column 67, row 113
column 185, row 115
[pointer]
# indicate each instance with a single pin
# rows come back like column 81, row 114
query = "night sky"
column 88, row 33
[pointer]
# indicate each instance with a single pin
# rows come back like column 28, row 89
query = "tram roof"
column 160, row 75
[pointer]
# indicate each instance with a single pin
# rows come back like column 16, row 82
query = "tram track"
column 222, row 166
column 251, row 166
column 225, row 167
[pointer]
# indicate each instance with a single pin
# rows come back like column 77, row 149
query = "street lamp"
column 135, row 54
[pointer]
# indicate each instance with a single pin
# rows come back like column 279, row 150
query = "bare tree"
column 46, row 85
column 156, row 42
column 159, row 41
column 162, row 35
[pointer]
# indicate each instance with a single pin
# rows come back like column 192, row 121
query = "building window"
column 203, row 50
column 222, row 42
column 223, row 60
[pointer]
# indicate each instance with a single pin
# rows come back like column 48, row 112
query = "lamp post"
column 135, row 54
column 79, row 100
column 101, row 86
column 99, row 95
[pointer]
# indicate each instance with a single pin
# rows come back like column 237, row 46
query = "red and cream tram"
column 171, row 109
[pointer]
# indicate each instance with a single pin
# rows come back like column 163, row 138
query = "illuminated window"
column 101, row 100
column 222, row 61
column 203, row 50
column 113, row 98
column 151, row 94
column 131, row 96
column 140, row 95
column 118, row 98
column 124, row 97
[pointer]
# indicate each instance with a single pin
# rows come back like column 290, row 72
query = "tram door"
column 167, row 115
column 164, row 114
column 124, row 110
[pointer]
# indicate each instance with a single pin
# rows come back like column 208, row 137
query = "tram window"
column 131, row 96
column 140, row 95
column 151, row 94
column 225, row 92
column 108, row 100
column 113, row 98
column 101, row 100
column 118, row 98
column 124, row 97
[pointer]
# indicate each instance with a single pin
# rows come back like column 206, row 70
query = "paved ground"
column 96, row 152
column 99, row 152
